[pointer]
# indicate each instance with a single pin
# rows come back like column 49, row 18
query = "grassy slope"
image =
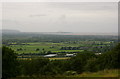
column 107, row 74
column 104, row 73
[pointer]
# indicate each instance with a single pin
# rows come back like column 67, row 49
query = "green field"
column 56, row 47
column 53, row 47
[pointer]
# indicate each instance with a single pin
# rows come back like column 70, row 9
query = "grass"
column 48, row 46
column 69, row 51
column 31, row 48
column 62, row 58
column 104, row 73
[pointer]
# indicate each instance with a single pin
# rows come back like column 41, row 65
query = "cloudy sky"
column 61, row 16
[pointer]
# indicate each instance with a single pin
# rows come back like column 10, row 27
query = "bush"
column 36, row 66
column 70, row 73
column 10, row 65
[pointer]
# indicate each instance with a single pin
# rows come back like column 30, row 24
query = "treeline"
column 100, row 49
column 34, row 37
column 82, row 62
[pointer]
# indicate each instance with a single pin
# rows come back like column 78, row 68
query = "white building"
column 98, row 53
column 69, row 55
column 51, row 55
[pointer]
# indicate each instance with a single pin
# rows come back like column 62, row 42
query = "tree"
column 110, row 60
column 37, row 49
column 49, row 52
column 35, row 66
column 78, row 62
column 91, row 65
column 9, row 63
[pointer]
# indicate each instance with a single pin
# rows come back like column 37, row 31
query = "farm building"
column 98, row 53
column 69, row 55
column 51, row 55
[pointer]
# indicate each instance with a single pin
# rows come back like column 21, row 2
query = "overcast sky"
column 61, row 16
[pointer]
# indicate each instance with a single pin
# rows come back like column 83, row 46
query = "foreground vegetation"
column 79, row 64
column 103, row 73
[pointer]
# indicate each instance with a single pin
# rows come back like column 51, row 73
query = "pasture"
column 42, row 47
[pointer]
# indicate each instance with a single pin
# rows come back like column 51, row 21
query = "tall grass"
column 103, row 73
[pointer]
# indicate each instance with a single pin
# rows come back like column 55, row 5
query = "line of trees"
column 82, row 62
column 27, row 37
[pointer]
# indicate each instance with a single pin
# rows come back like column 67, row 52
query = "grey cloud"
column 37, row 15
column 64, row 16
column 84, row 5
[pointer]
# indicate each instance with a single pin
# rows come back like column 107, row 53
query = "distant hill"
column 9, row 31
column 90, row 33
